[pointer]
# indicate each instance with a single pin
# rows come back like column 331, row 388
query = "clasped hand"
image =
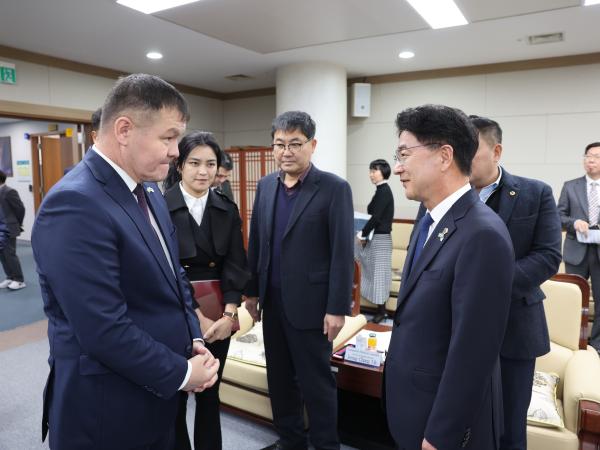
column 204, row 369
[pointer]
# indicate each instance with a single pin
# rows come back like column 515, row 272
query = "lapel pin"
column 442, row 234
column 512, row 193
column 149, row 189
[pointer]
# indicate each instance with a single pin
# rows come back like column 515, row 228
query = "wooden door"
column 50, row 156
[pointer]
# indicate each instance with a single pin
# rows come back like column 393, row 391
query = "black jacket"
column 215, row 249
column 381, row 209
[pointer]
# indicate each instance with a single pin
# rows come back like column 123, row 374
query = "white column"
column 320, row 89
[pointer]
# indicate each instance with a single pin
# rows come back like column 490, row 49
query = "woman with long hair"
column 210, row 248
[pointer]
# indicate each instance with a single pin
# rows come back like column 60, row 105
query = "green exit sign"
column 8, row 73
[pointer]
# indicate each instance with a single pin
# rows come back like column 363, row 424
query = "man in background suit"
column 579, row 206
column 14, row 213
column 528, row 209
column 442, row 374
column 300, row 255
column 222, row 178
column 121, row 327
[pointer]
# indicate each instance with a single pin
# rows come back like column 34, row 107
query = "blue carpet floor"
column 24, row 306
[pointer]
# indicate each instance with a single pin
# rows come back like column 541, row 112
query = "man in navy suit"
column 300, row 254
column 442, row 374
column 121, row 327
column 528, row 209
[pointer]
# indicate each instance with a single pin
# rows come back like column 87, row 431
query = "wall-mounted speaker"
column 360, row 94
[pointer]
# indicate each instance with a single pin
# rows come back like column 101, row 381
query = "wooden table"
column 358, row 378
column 361, row 421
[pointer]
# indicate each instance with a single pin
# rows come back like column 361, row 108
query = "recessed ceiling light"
column 591, row 2
column 407, row 54
column 439, row 13
column 154, row 55
column 152, row 6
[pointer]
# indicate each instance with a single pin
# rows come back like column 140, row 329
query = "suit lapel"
column 442, row 233
column 581, row 194
column 307, row 191
column 116, row 188
column 509, row 192
column 268, row 205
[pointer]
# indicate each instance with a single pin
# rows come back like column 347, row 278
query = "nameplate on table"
column 366, row 357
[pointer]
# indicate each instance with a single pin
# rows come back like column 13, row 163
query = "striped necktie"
column 593, row 203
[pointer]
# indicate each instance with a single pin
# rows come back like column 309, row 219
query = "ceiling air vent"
column 238, row 77
column 545, row 38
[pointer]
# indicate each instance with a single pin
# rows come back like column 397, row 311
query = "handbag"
column 209, row 297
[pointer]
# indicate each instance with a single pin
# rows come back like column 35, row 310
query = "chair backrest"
column 566, row 303
column 401, row 230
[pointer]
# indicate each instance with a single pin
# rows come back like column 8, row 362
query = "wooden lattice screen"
column 250, row 164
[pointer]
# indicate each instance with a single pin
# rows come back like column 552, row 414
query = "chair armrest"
column 589, row 425
column 245, row 319
column 581, row 383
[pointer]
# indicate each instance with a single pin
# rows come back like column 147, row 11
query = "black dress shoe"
column 379, row 317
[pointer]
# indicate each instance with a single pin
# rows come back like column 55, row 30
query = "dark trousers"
column 299, row 374
column 207, row 421
column 10, row 260
column 590, row 268
column 517, row 382
column 166, row 442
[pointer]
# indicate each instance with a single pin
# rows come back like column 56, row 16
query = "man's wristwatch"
column 231, row 315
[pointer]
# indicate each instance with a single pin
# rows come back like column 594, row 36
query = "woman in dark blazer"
column 210, row 248
column 375, row 254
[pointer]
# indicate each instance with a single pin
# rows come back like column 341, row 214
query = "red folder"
column 209, row 297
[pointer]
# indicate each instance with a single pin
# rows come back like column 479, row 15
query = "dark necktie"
column 424, row 225
column 141, row 199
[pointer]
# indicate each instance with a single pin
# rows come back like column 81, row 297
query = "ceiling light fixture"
column 152, row 6
column 439, row 13
column 154, row 55
column 407, row 54
column 591, row 2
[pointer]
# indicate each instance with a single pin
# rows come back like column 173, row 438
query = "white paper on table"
column 383, row 339
column 593, row 237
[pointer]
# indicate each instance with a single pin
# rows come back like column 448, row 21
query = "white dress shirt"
column 196, row 205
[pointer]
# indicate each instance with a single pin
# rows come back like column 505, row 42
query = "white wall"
column 21, row 150
column 247, row 121
column 44, row 85
column 548, row 116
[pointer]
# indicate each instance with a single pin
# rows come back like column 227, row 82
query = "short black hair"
column 381, row 165
column 292, row 121
column 186, row 145
column 592, row 145
column 226, row 161
column 489, row 129
column 96, row 117
column 144, row 93
column 2, row 177
column 445, row 125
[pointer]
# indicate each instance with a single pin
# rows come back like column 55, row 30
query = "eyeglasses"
column 292, row 146
column 588, row 157
column 401, row 159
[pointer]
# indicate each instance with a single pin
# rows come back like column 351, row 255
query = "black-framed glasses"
column 292, row 146
column 401, row 159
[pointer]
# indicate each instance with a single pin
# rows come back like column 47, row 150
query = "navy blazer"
column 317, row 262
column 442, row 374
column 120, row 321
column 528, row 209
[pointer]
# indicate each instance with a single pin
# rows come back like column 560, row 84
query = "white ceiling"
column 206, row 41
